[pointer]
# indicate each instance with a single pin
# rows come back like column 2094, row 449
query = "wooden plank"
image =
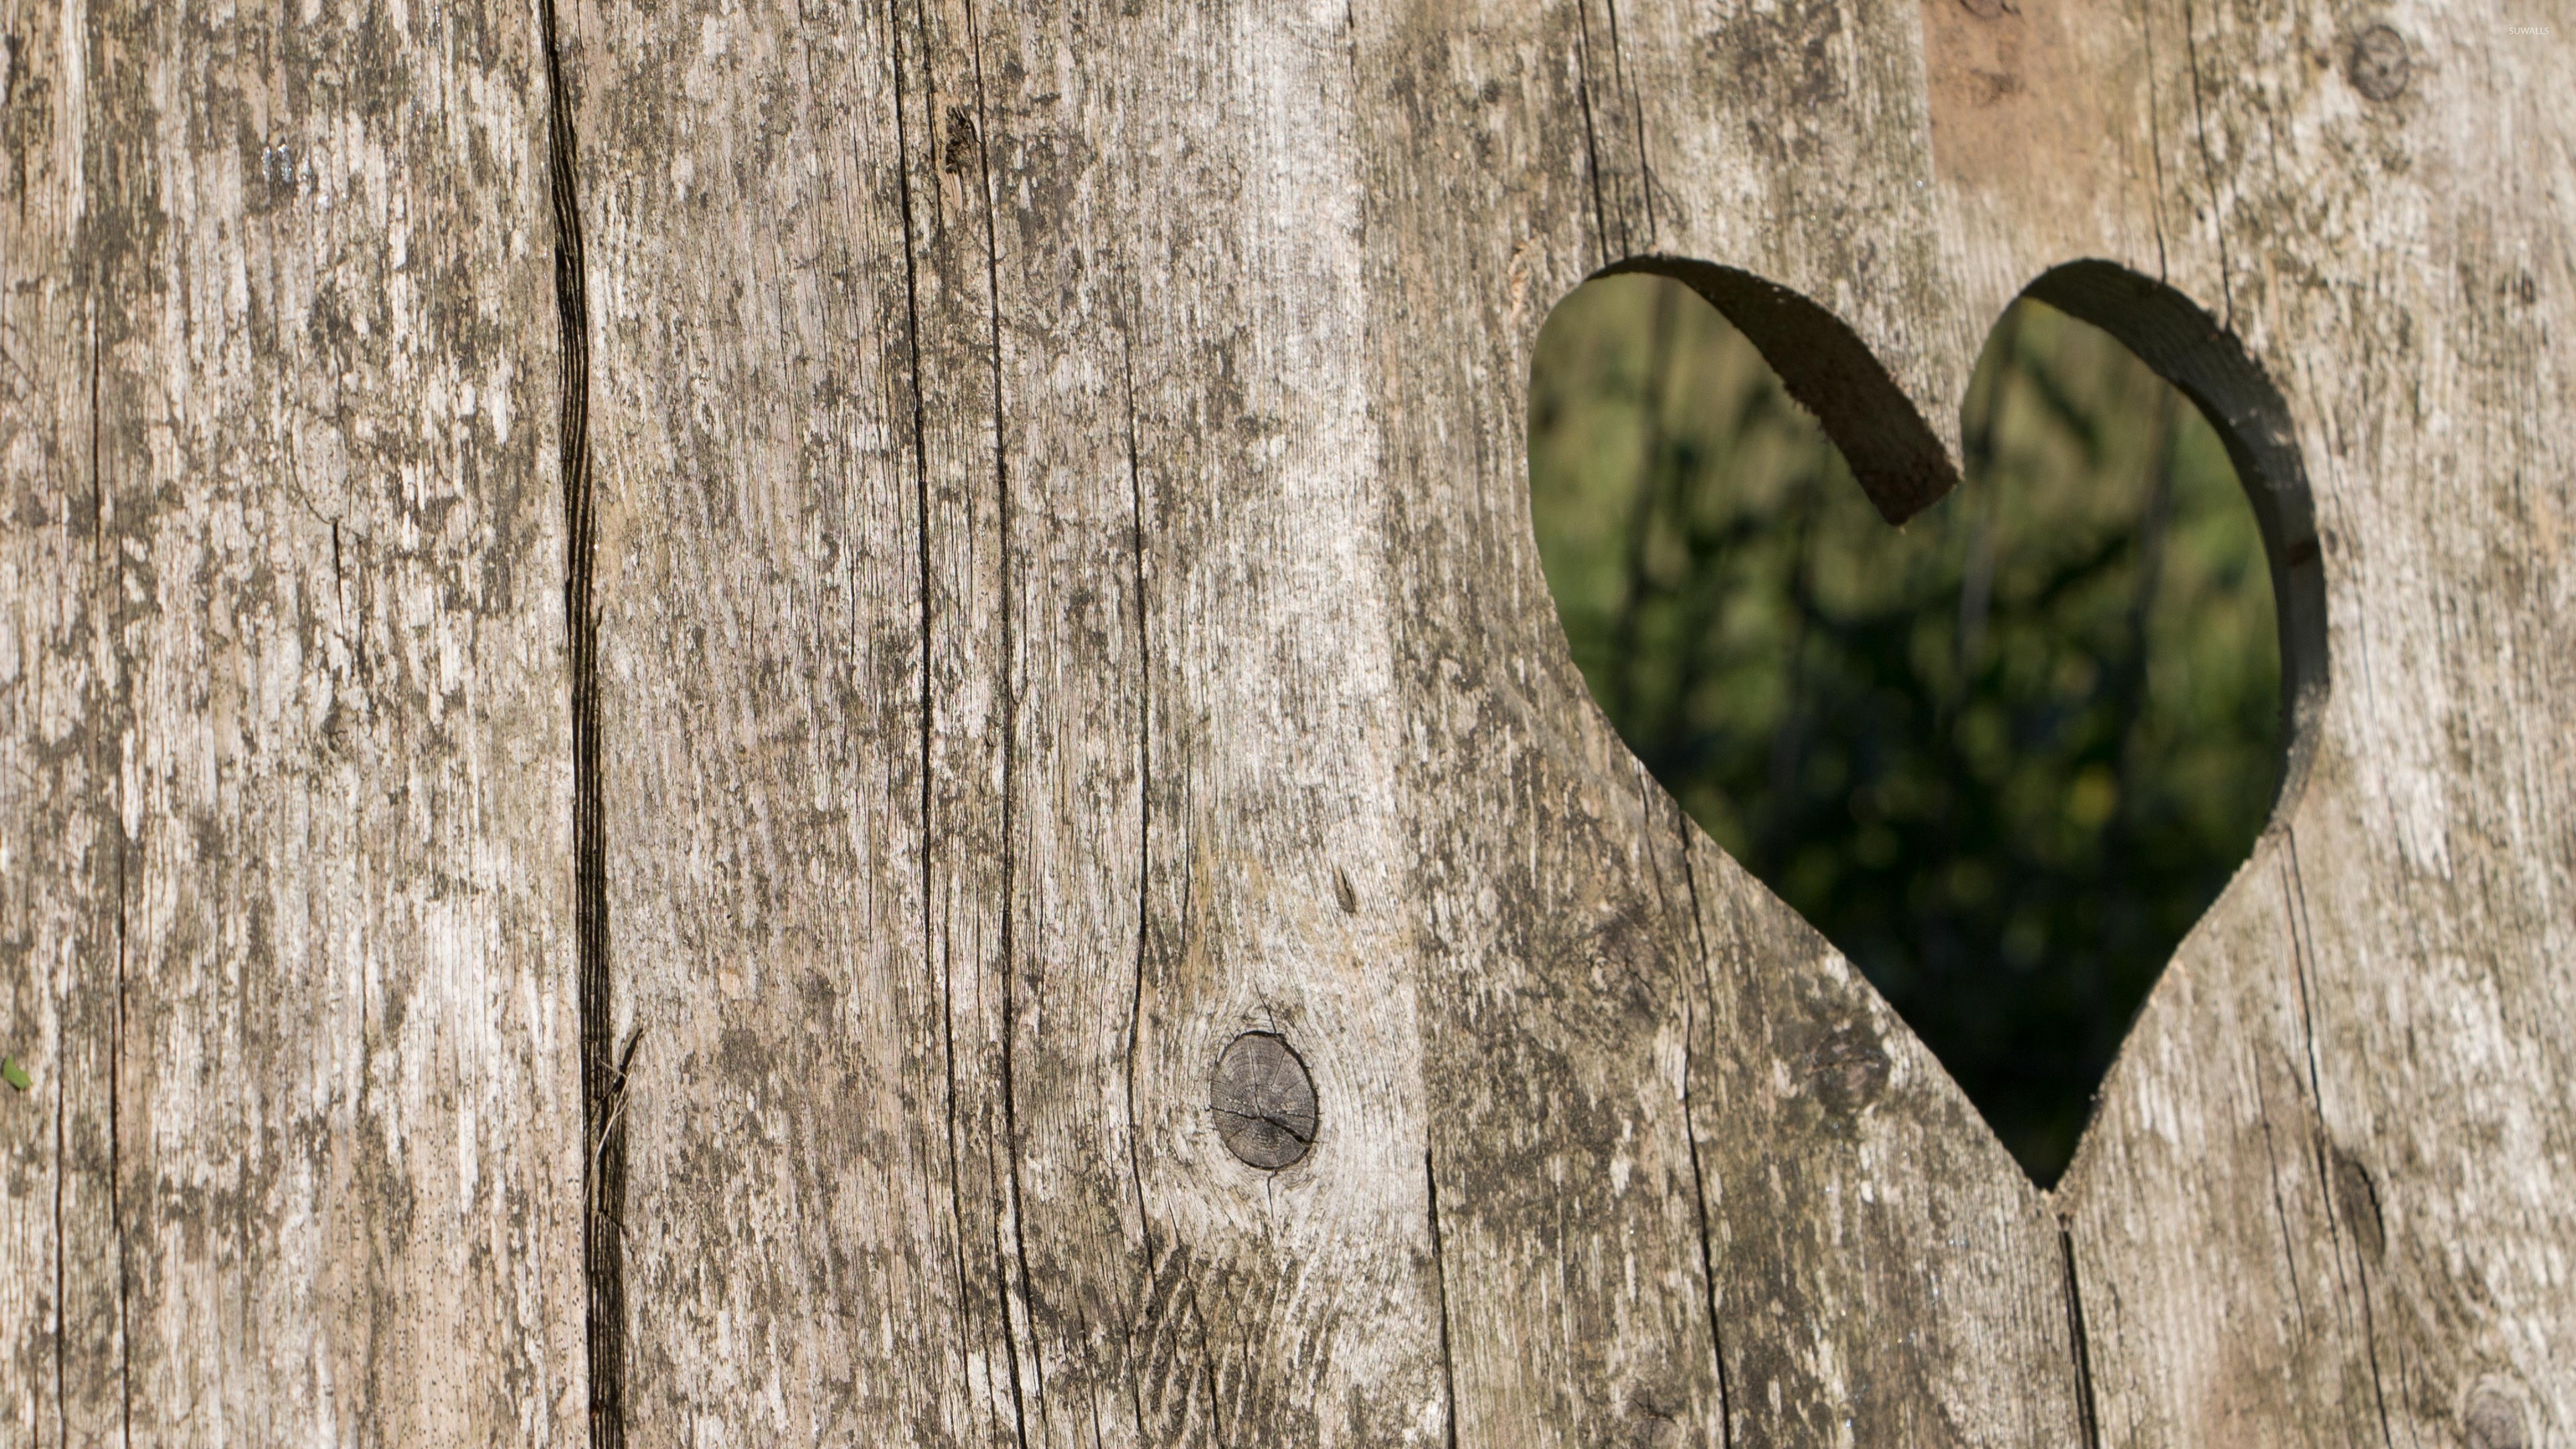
column 288, row 780
column 1068, row 565
column 1699, row 1167
column 1276, row 898
column 2329, row 1193
column 1089, row 1261
column 971, row 747
column 1114, row 1353
column 793, row 1253
column 1559, row 980
column 60, row 1379
column 1065, row 600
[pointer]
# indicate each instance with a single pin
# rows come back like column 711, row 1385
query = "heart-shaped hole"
column 2004, row 756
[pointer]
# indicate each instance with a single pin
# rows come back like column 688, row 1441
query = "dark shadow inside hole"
column 2004, row 756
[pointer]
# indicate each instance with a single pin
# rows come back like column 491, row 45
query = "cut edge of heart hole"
column 2187, row 347
column 1904, row 468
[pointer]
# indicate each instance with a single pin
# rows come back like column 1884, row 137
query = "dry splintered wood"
column 1046, row 487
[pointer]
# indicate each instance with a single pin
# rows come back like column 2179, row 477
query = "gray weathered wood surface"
column 1046, row 490
column 284, row 782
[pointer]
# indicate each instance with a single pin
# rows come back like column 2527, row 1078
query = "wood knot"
column 1847, row 1068
column 963, row 146
column 2379, row 66
column 2357, row 1197
column 1264, row 1101
column 2492, row 1419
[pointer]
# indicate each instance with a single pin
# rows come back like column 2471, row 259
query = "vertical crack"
column 937, row 943
column 116, row 1155
column 1440, row 1280
column 62, row 1108
column 2370, row 1336
column 1207, row 1360
column 2294, row 907
column 934, row 953
column 2280, row 1208
column 2088, row 1413
column 1013, row 1196
column 1690, row 1135
column 64, row 983
column 1144, row 832
column 104, row 564
column 2155, row 146
column 1707, row 1257
column 2209, row 171
column 1637, row 115
column 1591, row 142
column 602, row 1077
column 2329, row 1183
column 1144, row 798
column 97, row 480
column 920, row 447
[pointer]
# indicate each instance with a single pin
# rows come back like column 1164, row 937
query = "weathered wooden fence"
column 672, row 672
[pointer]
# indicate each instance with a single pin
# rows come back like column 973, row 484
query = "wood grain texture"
column 1087, row 798
column 1065, row 599
column 1146, row 390
column 59, row 1298
column 787, row 1223
column 2327, row 1201
column 286, row 790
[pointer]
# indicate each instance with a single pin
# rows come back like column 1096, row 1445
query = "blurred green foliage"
column 2002, row 757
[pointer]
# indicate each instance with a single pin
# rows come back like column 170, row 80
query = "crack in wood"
column 2209, row 169
column 1591, row 141
column 2089, row 1414
column 1144, row 794
column 1690, row 1136
column 1440, row 1282
column 106, row 564
column 1707, row 1256
column 930, row 946
column 977, row 135
column 603, row 1074
column 1637, row 116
